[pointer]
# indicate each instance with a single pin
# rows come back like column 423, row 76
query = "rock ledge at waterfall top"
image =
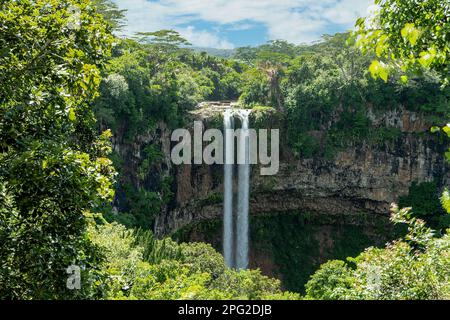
column 211, row 109
column 211, row 114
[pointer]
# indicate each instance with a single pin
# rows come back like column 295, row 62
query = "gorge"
column 334, row 202
column 350, row 145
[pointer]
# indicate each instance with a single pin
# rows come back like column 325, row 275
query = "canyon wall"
column 363, row 178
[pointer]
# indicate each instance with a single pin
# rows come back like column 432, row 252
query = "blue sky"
column 228, row 24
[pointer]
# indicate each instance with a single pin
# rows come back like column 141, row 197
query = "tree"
column 407, row 36
column 167, row 41
column 111, row 13
column 281, row 47
column 54, row 168
column 245, row 54
column 410, row 37
column 274, row 72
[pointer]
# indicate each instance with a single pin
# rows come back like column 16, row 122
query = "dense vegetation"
column 69, row 87
column 408, row 39
column 148, row 83
column 324, row 88
column 414, row 40
column 55, row 173
column 291, row 246
column 415, row 267
column 319, row 82
column 140, row 267
column 54, row 167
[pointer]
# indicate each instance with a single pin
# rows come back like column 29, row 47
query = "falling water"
column 236, row 254
column 242, row 223
column 228, row 189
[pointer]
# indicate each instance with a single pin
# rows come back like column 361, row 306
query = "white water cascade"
column 242, row 224
column 236, row 254
column 228, row 237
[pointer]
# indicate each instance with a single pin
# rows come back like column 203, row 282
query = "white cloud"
column 240, row 26
column 293, row 20
column 202, row 38
column 346, row 12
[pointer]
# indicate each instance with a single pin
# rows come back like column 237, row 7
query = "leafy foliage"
column 326, row 94
column 165, row 40
column 423, row 198
column 140, row 267
column 407, row 37
column 146, row 84
column 297, row 243
column 111, row 13
column 55, row 170
column 425, row 203
column 53, row 167
column 415, row 267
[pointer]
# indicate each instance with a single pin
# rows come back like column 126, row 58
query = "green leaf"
column 404, row 79
column 384, row 74
column 445, row 200
column 72, row 115
column 379, row 69
column 426, row 59
column 410, row 33
column 379, row 50
column 374, row 67
column 435, row 129
column 381, row 45
column 447, row 155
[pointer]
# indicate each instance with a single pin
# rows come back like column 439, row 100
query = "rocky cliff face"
column 363, row 178
column 132, row 168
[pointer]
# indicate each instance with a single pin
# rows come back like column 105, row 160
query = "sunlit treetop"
column 111, row 13
column 166, row 40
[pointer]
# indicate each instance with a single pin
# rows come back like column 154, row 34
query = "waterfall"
column 228, row 189
column 236, row 254
column 242, row 223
